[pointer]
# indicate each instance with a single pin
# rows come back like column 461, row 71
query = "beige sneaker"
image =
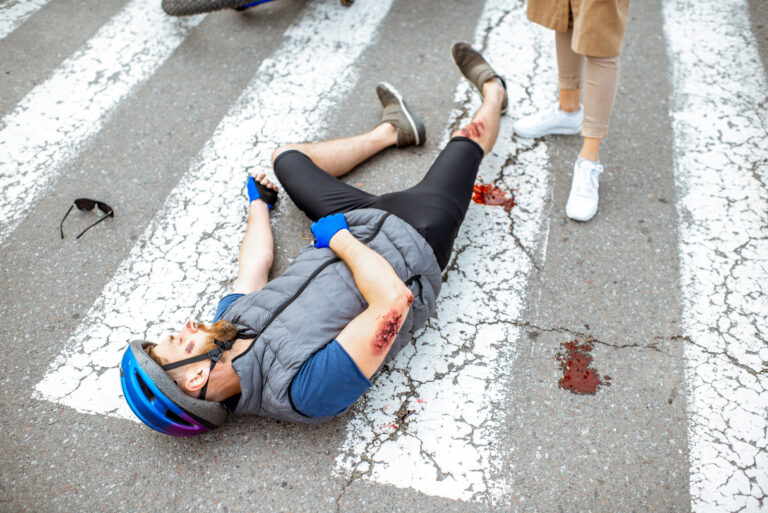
column 410, row 129
column 474, row 67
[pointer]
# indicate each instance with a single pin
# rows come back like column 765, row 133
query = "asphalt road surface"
column 665, row 290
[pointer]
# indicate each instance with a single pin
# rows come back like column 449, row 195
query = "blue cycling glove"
column 258, row 191
column 326, row 227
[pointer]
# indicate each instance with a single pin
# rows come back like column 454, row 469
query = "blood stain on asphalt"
column 578, row 377
column 489, row 194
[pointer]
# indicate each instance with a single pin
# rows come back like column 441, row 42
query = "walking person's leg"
column 568, row 116
column 564, row 116
column 570, row 68
column 601, row 84
column 600, row 87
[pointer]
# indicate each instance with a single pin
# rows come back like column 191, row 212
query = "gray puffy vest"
column 298, row 313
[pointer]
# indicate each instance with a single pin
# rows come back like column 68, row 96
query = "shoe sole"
column 453, row 55
column 416, row 125
column 556, row 131
column 580, row 219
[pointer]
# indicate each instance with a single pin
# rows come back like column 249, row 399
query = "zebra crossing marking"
column 719, row 122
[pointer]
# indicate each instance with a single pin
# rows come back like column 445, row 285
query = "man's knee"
column 473, row 130
column 282, row 149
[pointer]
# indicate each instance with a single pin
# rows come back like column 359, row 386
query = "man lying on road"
column 305, row 346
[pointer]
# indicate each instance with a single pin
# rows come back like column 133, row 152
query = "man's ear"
column 196, row 378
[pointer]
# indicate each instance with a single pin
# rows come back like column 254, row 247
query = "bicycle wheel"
column 189, row 7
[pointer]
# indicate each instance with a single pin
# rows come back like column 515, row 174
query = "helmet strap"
column 214, row 355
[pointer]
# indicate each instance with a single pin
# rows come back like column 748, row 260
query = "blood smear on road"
column 578, row 377
column 489, row 194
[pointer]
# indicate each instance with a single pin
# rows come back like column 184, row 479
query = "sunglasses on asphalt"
column 86, row 205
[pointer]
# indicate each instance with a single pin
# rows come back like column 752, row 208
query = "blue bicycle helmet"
column 156, row 399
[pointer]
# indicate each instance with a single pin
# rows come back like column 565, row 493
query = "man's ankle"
column 386, row 131
column 493, row 90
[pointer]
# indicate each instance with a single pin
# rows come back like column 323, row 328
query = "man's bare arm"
column 257, row 249
column 369, row 336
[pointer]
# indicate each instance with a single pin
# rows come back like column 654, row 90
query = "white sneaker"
column 582, row 201
column 551, row 120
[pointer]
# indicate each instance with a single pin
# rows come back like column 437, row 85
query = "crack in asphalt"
column 588, row 337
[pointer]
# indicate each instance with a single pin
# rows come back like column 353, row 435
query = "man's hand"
column 261, row 188
column 326, row 227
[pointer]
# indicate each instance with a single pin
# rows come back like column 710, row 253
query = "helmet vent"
column 176, row 418
column 145, row 388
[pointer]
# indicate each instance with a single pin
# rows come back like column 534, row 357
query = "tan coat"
column 598, row 25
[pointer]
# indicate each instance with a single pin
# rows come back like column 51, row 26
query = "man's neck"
column 224, row 381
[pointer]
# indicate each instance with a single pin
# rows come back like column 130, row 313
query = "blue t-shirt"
column 327, row 383
column 225, row 303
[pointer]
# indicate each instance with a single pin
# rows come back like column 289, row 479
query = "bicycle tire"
column 190, row 7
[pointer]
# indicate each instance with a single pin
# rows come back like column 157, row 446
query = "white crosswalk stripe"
column 721, row 170
column 175, row 271
column 51, row 124
column 448, row 378
column 13, row 13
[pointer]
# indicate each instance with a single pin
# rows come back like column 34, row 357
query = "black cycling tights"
column 435, row 206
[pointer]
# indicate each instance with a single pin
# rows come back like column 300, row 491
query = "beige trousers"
column 601, row 84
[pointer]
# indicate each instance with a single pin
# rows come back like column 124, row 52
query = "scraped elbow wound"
column 386, row 332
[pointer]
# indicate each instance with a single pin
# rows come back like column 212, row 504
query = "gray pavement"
column 614, row 280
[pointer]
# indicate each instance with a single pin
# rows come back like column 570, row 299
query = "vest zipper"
column 416, row 278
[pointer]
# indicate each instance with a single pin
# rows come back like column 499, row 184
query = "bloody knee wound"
column 474, row 130
column 386, row 332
